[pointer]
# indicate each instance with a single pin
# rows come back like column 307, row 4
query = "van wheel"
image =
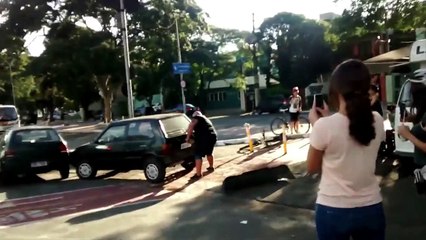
column 155, row 170
column 86, row 170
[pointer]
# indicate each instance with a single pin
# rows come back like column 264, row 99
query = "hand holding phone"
column 319, row 101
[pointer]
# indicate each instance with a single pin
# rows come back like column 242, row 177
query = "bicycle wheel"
column 304, row 125
column 277, row 126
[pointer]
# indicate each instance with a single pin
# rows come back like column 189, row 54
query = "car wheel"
column 189, row 164
column 86, row 170
column 65, row 172
column 155, row 170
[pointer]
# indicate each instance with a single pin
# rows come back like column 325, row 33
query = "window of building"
column 217, row 97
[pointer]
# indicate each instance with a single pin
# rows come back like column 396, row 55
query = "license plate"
column 39, row 164
column 185, row 145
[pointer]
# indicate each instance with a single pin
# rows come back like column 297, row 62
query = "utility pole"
column 125, row 40
column 182, row 82
column 256, row 66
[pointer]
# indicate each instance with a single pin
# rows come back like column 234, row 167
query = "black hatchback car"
column 33, row 150
column 151, row 143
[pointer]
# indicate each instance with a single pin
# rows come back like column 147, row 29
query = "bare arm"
column 190, row 129
column 419, row 144
column 314, row 160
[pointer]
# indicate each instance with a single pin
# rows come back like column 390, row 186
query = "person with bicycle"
column 295, row 109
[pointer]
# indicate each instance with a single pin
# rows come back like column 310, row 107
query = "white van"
column 9, row 117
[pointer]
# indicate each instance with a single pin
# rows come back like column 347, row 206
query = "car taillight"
column 9, row 153
column 63, row 148
column 165, row 149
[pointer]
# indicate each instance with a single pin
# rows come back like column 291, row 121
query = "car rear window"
column 8, row 114
column 175, row 125
column 32, row 136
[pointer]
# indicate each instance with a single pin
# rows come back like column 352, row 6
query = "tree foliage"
column 297, row 47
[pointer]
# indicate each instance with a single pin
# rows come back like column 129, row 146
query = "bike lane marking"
column 21, row 211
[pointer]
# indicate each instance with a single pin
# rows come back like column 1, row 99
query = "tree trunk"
column 108, row 107
column 107, row 95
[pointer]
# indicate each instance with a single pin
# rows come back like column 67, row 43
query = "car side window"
column 113, row 134
column 141, row 131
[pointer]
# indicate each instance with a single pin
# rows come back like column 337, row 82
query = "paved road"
column 232, row 127
column 125, row 206
column 228, row 127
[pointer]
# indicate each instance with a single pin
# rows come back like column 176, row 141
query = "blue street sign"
column 181, row 68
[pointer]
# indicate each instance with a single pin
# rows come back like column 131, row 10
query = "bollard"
column 285, row 139
column 265, row 143
column 250, row 141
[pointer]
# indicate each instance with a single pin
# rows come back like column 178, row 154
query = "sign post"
column 180, row 67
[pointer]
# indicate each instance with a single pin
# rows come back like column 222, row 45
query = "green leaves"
column 300, row 49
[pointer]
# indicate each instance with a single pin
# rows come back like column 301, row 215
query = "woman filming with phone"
column 343, row 149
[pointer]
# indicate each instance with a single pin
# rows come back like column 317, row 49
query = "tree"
column 81, row 63
column 380, row 15
column 297, row 48
column 153, row 43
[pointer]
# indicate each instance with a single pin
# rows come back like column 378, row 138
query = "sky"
column 237, row 14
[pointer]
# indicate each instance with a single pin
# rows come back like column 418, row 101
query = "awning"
column 385, row 62
column 398, row 55
column 383, row 67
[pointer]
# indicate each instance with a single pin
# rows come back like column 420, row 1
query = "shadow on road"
column 213, row 216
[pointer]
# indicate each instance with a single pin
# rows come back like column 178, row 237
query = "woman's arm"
column 314, row 160
column 419, row 144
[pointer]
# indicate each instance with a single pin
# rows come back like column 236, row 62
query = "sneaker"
column 210, row 169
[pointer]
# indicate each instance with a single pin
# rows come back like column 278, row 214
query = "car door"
column 142, row 139
column 110, row 148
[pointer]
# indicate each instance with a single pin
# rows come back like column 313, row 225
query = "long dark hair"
column 351, row 79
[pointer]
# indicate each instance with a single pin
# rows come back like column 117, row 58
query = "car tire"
column 189, row 164
column 65, row 172
column 86, row 170
column 154, row 170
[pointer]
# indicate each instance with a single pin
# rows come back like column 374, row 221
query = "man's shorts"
column 294, row 117
column 204, row 147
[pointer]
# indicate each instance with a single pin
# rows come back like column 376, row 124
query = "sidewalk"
column 404, row 208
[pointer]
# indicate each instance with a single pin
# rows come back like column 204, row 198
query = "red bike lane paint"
column 25, row 210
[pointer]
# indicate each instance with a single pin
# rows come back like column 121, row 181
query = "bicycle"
column 278, row 123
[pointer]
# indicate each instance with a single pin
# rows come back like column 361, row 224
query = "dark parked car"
column 272, row 104
column 33, row 150
column 151, row 143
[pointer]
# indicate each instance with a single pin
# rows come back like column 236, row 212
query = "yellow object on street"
column 250, row 141
column 284, row 139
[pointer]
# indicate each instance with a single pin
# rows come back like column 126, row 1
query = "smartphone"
column 319, row 100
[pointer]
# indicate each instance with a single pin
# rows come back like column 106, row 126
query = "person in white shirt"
column 295, row 109
column 343, row 149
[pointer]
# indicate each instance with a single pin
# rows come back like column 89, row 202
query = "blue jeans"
column 363, row 223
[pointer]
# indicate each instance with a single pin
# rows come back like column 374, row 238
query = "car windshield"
column 8, row 114
column 175, row 125
column 36, row 136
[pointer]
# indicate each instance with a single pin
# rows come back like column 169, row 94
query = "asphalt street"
column 232, row 127
column 122, row 205
column 228, row 127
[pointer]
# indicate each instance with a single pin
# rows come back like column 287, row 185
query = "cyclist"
column 295, row 109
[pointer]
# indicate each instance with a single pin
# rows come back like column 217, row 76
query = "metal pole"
column 180, row 61
column 11, row 82
column 125, row 40
column 256, row 70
